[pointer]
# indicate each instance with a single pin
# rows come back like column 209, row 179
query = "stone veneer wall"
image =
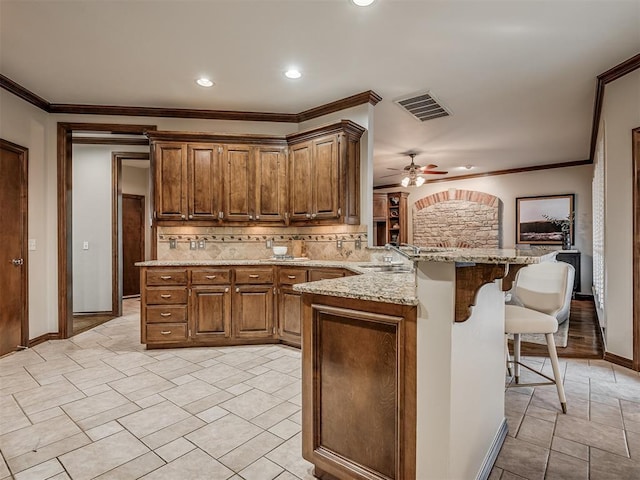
column 457, row 218
column 249, row 243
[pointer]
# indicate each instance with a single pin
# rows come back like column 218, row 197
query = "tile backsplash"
column 250, row 243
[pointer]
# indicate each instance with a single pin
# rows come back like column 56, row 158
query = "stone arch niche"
column 457, row 218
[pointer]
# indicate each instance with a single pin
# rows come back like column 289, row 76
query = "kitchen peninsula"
column 403, row 375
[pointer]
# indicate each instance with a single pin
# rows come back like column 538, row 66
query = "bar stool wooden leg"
column 507, row 356
column 516, row 356
column 553, row 355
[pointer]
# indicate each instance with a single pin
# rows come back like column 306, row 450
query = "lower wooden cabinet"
column 253, row 311
column 200, row 306
column 210, row 316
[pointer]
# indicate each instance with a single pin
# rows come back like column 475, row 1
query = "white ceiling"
column 518, row 76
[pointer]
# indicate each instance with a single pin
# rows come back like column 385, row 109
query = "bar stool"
column 541, row 293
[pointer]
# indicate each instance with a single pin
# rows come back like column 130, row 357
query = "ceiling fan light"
column 405, row 181
column 419, row 181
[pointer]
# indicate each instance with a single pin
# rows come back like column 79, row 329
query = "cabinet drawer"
column 166, row 332
column 325, row 274
column 254, row 275
column 210, row 277
column 291, row 276
column 170, row 313
column 166, row 296
column 167, row 277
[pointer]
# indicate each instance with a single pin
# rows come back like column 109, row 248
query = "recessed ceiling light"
column 363, row 3
column 292, row 73
column 204, row 82
column 467, row 167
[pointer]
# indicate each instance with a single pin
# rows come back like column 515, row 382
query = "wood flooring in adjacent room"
column 585, row 340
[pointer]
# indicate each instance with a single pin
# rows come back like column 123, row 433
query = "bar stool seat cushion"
column 525, row 320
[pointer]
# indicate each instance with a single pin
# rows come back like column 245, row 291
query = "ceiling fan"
column 413, row 173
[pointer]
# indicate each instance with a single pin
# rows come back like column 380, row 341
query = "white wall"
column 620, row 115
column 26, row 125
column 91, row 226
column 542, row 182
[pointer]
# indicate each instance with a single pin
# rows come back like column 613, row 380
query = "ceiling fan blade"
column 398, row 169
column 427, row 167
column 433, row 172
column 392, row 175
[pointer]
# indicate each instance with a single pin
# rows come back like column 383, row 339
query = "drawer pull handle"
column 165, row 332
column 165, row 295
column 291, row 276
column 210, row 277
column 166, row 277
column 165, row 314
column 254, row 276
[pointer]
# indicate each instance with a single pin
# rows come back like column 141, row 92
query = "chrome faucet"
column 416, row 249
column 391, row 246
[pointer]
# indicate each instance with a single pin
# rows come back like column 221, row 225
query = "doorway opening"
column 69, row 275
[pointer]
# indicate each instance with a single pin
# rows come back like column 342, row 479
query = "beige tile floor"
column 101, row 406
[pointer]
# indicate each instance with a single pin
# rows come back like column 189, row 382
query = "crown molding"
column 610, row 75
column 21, row 92
column 507, row 171
column 368, row 96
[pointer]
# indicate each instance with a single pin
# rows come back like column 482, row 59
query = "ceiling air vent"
column 423, row 106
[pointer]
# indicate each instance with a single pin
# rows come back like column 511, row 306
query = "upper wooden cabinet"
column 324, row 174
column 170, row 160
column 187, row 181
column 309, row 177
column 255, row 183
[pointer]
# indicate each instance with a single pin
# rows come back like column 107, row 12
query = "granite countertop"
column 379, row 286
column 388, row 287
column 487, row 255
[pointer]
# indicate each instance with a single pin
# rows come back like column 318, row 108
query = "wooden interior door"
column 132, row 242
column 13, row 254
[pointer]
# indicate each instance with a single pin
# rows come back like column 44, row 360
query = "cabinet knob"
column 237, row 290
column 183, row 216
column 191, row 216
column 257, row 217
column 250, row 217
column 308, row 215
column 226, row 290
column 313, row 215
column 221, row 214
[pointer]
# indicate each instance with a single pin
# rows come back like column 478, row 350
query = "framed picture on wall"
column 545, row 220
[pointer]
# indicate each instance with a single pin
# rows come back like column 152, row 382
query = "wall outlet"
column 358, row 244
column 201, row 243
column 85, row 245
column 193, row 244
column 32, row 244
column 172, row 243
column 339, row 244
column 269, row 243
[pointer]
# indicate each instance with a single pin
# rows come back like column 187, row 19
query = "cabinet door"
column 238, row 192
column 326, row 175
column 380, row 206
column 253, row 311
column 270, row 184
column 300, row 181
column 290, row 315
column 205, row 180
column 210, row 315
column 170, row 161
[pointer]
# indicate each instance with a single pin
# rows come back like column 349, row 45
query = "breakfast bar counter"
column 406, row 380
